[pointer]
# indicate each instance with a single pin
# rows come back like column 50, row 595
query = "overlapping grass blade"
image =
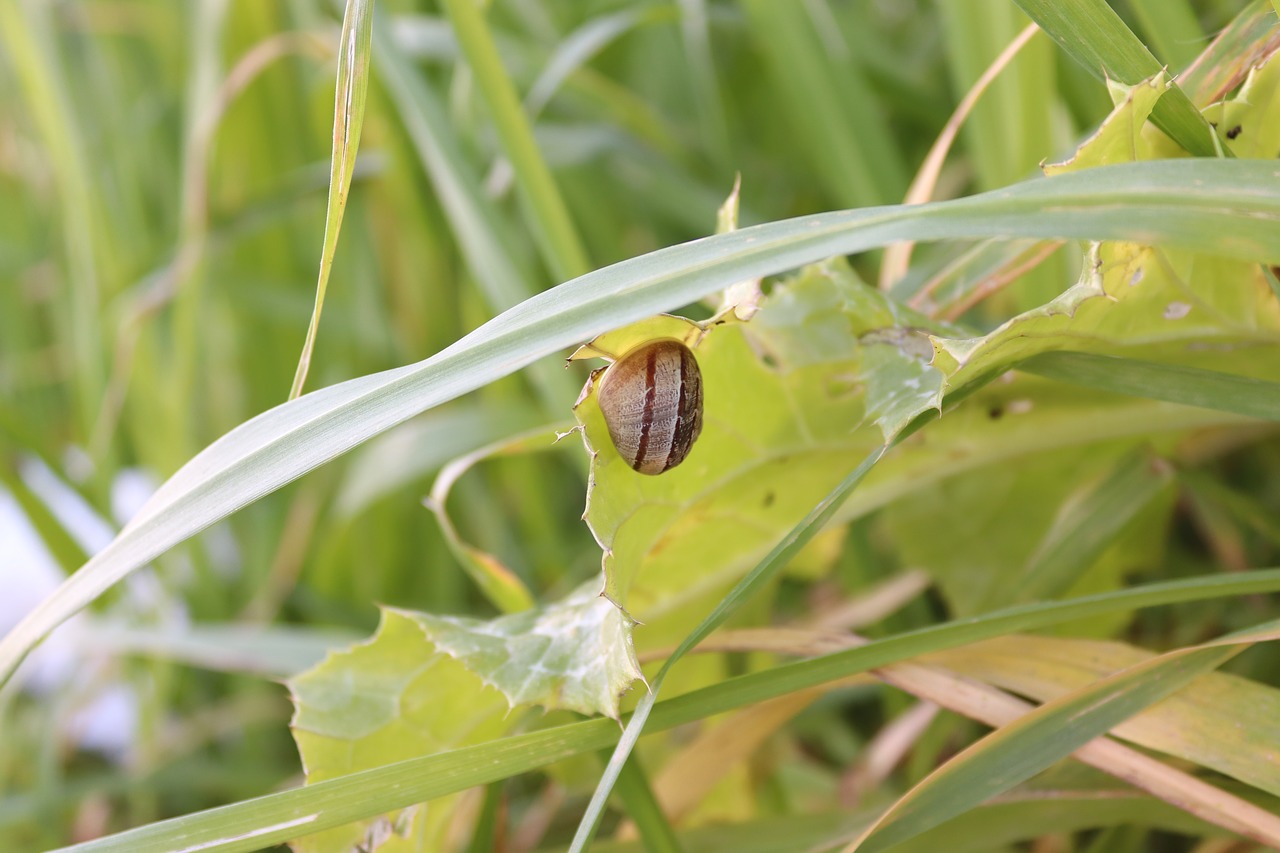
column 1093, row 34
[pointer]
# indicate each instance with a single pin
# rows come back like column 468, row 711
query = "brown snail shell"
column 652, row 403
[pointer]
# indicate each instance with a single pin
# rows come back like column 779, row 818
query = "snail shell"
column 652, row 403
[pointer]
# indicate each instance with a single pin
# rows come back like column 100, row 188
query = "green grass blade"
column 645, row 811
column 486, row 240
column 348, row 118
column 274, row 818
column 1190, row 386
column 1092, row 33
column 1010, row 127
column 1217, row 206
column 832, row 106
column 1172, row 29
column 1091, row 524
column 28, row 34
column 695, row 33
column 1044, row 736
column 547, row 214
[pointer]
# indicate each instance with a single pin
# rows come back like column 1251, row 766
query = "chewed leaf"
column 1162, row 305
column 742, row 298
column 426, row 684
column 574, row 654
column 1120, row 139
column 393, row 697
column 1250, row 119
column 900, row 382
column 788, row 413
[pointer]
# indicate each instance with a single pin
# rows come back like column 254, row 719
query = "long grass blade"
column 1216, row 206
column 348, row 119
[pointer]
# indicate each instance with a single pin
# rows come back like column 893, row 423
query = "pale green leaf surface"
column 574, row 654
column 396, row 695
column 426, row 684
column 1251, row 118
column 1170, row 303
column 1223, row 722
column 986, row 524
column 1230, row 207
column 1092, row 33
column 1139, row 302
column 900, row 382
column 1246, row 121
column 1120, row 138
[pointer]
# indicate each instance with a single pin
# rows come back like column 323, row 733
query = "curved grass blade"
column 1213, row 206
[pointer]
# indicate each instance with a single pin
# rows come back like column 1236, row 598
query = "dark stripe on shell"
column 646, row 420
column 674, row 454
column 689, row 417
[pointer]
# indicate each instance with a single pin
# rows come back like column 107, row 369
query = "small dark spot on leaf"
column 995, row 413
column 1234, row 132
column 769, row 498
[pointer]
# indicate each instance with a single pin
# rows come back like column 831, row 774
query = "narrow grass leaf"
column 1093, row 34
column 645, row 811
column 1042, row 737
column 1091, row 523
column 348, row 119
column 1173, row 383
column 489, row 244
column 547, row 214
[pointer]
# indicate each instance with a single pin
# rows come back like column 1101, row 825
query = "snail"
column 652, row 403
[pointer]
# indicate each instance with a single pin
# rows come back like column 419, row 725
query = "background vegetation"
column 163, row 177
